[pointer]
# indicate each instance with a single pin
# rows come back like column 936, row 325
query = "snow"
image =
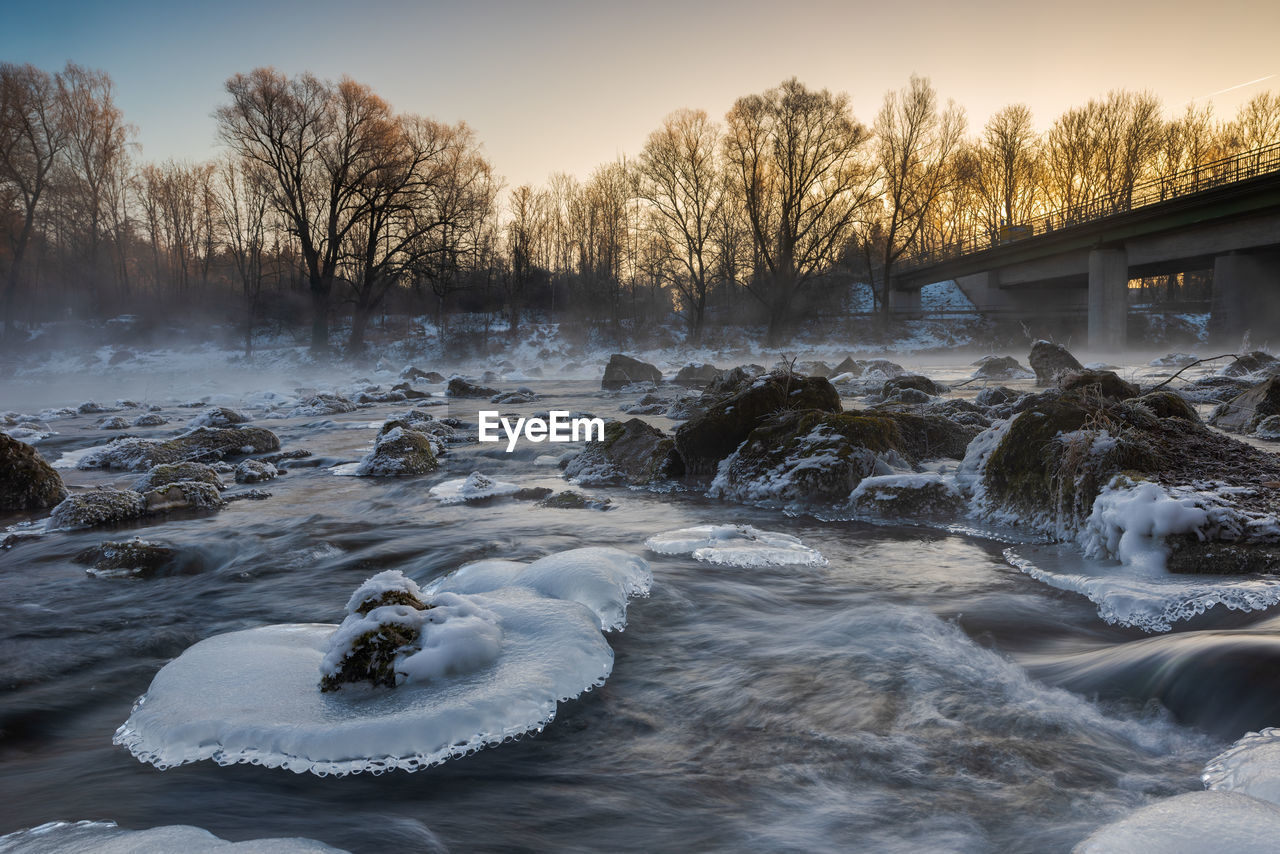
column 1129, row 522
column 474, row 487
column 490, row 666
column 1143, row 594
column 1193, row 823
column 105, row 837
column 735, row 545
column 1251, row 766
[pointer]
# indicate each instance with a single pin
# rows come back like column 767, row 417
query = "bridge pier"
column 1108, row 299
column 1246, row 298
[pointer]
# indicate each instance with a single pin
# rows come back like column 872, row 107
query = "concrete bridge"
column 1223, row 217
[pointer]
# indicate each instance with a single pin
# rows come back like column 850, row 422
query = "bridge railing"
column 1217, row 173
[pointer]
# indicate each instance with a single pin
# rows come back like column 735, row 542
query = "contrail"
column 1237, row 86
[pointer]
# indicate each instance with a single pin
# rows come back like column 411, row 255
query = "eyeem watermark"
column 557, row 427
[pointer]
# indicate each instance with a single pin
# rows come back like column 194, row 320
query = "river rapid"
column 919, row 692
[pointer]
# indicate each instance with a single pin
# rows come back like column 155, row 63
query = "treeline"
column 327, row 204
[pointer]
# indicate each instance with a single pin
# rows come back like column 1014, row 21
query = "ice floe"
column 1143, row 594
column 735, row 545
column 474, row 487
column 1194, row 823
column 495, row 653
column 106, row 837
column 1251, row 766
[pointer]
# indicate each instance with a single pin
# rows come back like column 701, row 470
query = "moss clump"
column 27, row 482
column 1168, row 404
column 372, row 658
column 167, row 473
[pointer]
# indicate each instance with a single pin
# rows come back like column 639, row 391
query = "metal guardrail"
column 1227, row 170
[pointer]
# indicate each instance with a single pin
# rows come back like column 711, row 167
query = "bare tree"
column 33, row 135
column 243, row 203
column 1006, row 167
column 679, row 176
column 796, row 156
column 915, row 143
column 1257, row 123
column 526, row 234
column 319, row 142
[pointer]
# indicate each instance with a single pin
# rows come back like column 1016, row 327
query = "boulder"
column 1252, row 363
column 103, row 505
column 114, row 422
column 696, row 375
column 997, row 395
column 815, row 368
column 1245, row 412
column 129, row 558
column 167, row 473
column 413, row 373
column 149, row 420
column 459, row 387
column 27, row 482
column 706, row 439
column 624, row 371
column 1049, row 360
column 219, row 416
column 907, row 496
column 1105, row 383
column 633, row 452
column 850, row 365
column 321, row 404
column 1169, row 404
column 911, row 381
column 1048, row 465
column 255, row 471
column 1000, row 368
column 814, row 457
column 184, row 495
column 570, row 500
column 399, row 451
column 1268, row 428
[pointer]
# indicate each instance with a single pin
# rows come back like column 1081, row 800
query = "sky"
column 566, row 85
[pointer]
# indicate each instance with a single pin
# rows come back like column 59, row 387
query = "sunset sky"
column 564, row 86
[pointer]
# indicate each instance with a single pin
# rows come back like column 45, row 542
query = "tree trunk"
column 319, row 319
column 359, row 322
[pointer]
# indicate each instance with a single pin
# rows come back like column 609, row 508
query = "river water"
column 917, row 693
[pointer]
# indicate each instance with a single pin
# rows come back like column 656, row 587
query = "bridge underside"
column 1085, row 271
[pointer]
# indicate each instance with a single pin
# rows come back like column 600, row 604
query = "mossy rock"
column 1103, row 383
column 167, row 473
column 915, row 497
column 632, row 452
column 570, row 500
column 372, row 658
column 1168, row 404
column 104, row 505
column 255, row 471
column 27, row 482
column 400, row 451
column 706, row 439
column 184, row 495
column 910, row 381
column 1049, row 361
column 215, row 443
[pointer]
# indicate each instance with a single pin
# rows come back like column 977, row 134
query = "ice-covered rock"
column 1001, row 368
column 321, row 404
column 114, row 422
column 1192, row 823
column 1257, row 362
column 184, row 495
column 219, row 416
column 1268, row 428
column 27, row 482
column 149, row 419
column 735, row 545
column 571, row 500
column 1251, row 767
column 493, row 656
column 476, row 486
column 632, row 452
column 400, row 451
column 909, row 496
column 99, row 506
column 105, row 837
column 168, row 473
column 255, row 471
column 200, row 444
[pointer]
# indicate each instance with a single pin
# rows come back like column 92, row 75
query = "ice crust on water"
column 735, row 545
column 1193, row 823
column 253, row 696
column 1142, row 595
column 1251, row 766
column 473, row 487
column 106, row 837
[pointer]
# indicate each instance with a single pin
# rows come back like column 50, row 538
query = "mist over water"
column 917, row 692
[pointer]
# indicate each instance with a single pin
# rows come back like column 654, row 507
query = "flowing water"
column 917, row 693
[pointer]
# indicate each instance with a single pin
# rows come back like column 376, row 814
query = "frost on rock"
column 321, row 404
column 165, row 474
column 106, row 837
column 97, row 507
column 219, row 416
column 478, row 658
column 1192, row 823
column 476, row 486
column 255, row 471
column 202, row 443
column 401, row 450
column 907, row 495
column 735, row 545
column 1250, row 767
